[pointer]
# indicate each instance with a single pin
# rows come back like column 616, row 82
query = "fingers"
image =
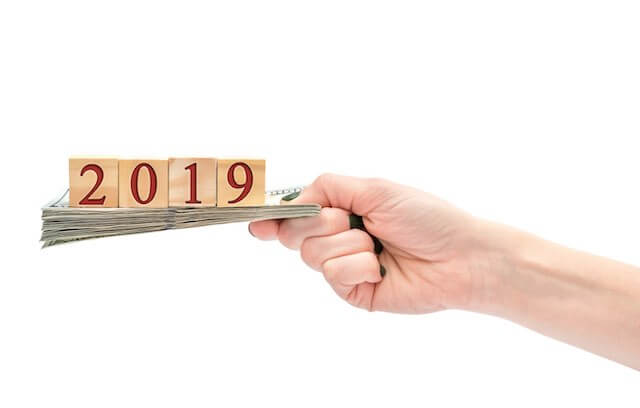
column 315, row 251
column 292, row 232
column 352, row 194
column 353, row 277
column 353, row 269
column 265, row 230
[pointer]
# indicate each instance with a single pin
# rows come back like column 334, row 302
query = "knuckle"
column 330, row 270
column 286, row 236
column 308, row 253
column 333, row 219
column 324, row 179
column 363, row 238
column 372, row 260
column 378, row 182
column 355, row 298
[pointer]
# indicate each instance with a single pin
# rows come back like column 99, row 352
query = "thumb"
column 357, row 195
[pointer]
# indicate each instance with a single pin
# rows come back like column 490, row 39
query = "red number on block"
column 153, row 183
column 248, row 181
column 87, row 200
column 193, row 169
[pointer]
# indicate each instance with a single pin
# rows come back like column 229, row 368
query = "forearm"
column 585, row 300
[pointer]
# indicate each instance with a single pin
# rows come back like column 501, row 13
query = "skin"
column 437, row 257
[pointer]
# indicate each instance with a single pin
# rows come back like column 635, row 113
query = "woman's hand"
column 436, row 256
column 429, row 245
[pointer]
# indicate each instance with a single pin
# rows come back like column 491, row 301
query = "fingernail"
column 377, row 246
column 383, row 271
column 291, row 196
column 355, row 221
column 249, row 228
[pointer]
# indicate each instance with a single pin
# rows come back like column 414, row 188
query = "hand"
column 436, row 256
column 429, row 245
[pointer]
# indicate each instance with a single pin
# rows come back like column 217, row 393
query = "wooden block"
column 93, row 182
column 192, row 182
column 144, row 183
column 240, row 182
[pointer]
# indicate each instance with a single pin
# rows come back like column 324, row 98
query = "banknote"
column 62, row 224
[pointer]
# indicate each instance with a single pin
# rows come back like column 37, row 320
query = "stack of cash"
column 61, row 224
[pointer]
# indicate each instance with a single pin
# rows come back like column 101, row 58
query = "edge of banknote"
column 63, row 224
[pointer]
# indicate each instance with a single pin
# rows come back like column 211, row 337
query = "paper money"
column 61, row 223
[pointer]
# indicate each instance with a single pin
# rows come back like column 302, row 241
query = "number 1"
column 193, row 169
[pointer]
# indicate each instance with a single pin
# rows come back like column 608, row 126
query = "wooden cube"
column 240, row 182
column 144, row 183
column 192, row 182
column 93, row 182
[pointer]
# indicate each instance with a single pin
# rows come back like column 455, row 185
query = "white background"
column 523, row 112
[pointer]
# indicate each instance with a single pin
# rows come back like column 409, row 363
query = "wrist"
column 519, row 272
column 497, row 266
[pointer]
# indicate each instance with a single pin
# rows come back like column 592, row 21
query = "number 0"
column 248, row 180
column 153, row 183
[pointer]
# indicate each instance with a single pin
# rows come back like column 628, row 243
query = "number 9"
column 248, row 180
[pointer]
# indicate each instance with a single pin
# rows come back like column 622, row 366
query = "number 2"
column 248, row 181
column 87, row 200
